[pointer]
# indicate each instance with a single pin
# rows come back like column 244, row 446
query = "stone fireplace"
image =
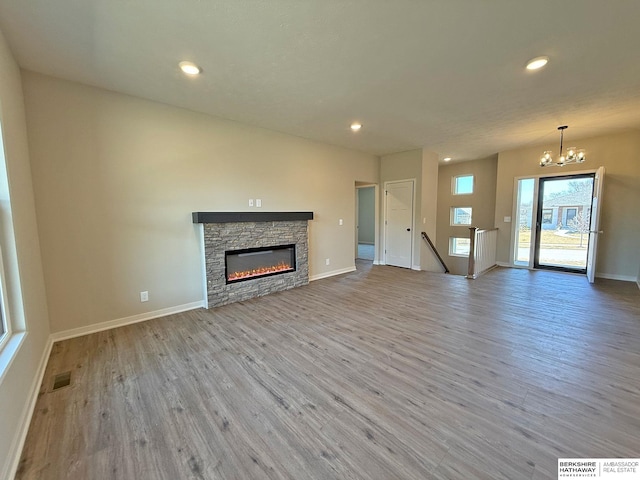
column 250, row 254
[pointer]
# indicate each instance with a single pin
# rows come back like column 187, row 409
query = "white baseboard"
column 332, row 273
column 609, row 276
column 120, row 322
column 378, row 262
column 18, row 444
column 15, row 451
column 613, row 276
column 416, row 267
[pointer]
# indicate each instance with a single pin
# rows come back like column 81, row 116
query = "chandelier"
column 573, row 155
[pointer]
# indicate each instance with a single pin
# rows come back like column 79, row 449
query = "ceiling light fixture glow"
column 447, row 159
column 190, row 68
column 355, row 126
column 537, row 63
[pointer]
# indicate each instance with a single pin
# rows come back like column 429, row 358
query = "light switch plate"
column 507, row 219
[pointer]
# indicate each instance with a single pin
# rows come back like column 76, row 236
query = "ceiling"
column 445, row 75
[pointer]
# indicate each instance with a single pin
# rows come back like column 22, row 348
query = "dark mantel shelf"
column 233, row 217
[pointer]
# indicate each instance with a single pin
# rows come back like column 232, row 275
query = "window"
column 5, row 325
column 5, row 319
column 571, row 213
column 461, row 215
column 3, row 329
column 459, row 247
column 463, row 185
column 547, row 215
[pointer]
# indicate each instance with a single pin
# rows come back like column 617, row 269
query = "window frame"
column 452, row 242
column 452, row 216
column 5, row 318
column 454, row 184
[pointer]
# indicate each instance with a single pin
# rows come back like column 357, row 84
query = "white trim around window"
column 5, row 317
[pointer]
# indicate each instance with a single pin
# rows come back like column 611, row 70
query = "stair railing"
column 433, row 247
column 482, row 251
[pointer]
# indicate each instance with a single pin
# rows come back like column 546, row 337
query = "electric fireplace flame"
column 258, row 272
column 253, row 263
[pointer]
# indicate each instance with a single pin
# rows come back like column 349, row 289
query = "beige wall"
column 482, row 201
column 421, row 166
column 429, row 211
column 619, row 247
column 21, row 255
column 366, row 215
column 403, row 166
column 116, row 179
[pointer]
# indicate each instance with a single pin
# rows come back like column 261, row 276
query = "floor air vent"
column 61, row 380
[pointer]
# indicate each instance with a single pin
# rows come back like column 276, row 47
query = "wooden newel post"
column 472, row 251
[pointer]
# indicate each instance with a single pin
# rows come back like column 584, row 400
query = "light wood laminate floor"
column 384, row 373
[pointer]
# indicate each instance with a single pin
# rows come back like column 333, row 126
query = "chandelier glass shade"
column 573, row 155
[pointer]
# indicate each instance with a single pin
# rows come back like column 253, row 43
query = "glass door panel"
column 524, row 222
column 562, row 228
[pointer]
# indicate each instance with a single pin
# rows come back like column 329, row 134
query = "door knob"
column 408, row 229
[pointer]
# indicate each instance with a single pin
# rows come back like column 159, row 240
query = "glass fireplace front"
column 250, row 263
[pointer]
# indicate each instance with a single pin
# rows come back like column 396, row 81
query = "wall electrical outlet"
column 251, row 202
column 258, row 202
column 340, row 222
column 144, row 296
column 327, row 261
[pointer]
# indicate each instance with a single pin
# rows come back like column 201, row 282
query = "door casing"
column 534, row 220
column 538, row 222
column 411, row 226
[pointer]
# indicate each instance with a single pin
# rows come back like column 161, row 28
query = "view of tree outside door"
column 563, row 222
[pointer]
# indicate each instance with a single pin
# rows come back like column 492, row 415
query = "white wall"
column 24, row 277
column 116, row 179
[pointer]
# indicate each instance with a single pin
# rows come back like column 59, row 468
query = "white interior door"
column 594, row 230
column 399, row 223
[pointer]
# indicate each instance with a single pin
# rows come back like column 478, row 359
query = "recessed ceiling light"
column 536, row 63
column 447, row 159
column 190, row 68
column 355, row 126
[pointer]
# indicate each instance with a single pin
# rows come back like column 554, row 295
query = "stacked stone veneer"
column 220, row 237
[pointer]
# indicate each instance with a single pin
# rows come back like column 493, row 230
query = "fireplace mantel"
column 226, row 233
column 236, row 217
